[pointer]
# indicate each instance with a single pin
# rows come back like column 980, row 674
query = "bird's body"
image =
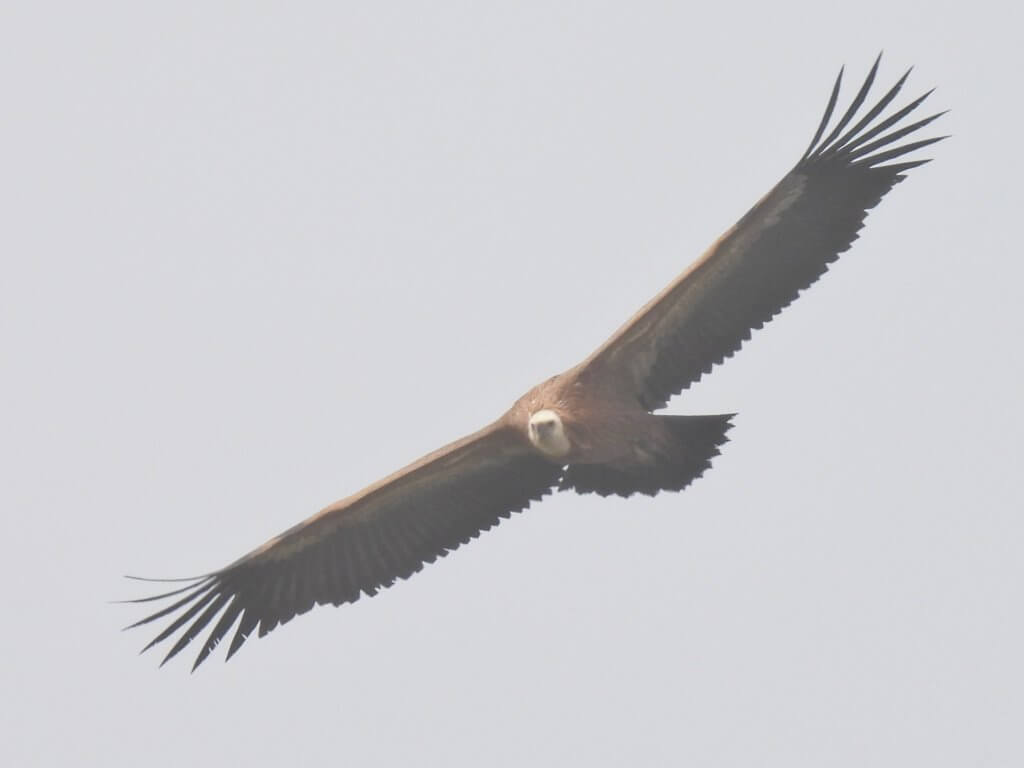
column 589, row 423
column 591, row 429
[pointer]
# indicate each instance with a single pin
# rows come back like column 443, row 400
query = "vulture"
column 593, row 428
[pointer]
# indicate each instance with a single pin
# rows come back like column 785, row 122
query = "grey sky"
column 256, row 257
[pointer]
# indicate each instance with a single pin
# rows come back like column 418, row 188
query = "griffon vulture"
column 591, row 429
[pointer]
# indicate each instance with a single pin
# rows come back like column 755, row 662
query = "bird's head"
column 547, row 433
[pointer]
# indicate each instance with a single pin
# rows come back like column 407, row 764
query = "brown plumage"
column 590, row 429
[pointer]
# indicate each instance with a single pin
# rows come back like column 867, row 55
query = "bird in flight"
column 591, row 429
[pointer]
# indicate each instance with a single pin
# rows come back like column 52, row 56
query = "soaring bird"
column 591, row 429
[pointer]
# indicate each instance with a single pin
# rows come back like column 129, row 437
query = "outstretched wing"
column 362, row 543
column 781, row 246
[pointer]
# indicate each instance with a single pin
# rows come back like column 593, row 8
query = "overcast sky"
column 257, row 256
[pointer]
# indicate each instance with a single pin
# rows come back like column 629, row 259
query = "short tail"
column 684, row 453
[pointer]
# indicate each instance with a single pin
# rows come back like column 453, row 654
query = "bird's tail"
column 681, row 455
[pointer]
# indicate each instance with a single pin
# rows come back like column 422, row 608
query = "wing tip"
column 853, row 145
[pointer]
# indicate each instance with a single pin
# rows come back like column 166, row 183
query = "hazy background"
column 256, row 256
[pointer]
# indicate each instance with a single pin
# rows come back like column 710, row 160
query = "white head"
column 548, row 434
